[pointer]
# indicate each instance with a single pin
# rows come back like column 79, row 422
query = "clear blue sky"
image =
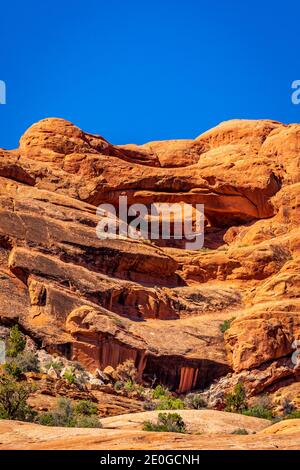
column 144, row 70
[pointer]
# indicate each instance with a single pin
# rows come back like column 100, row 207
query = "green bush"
column 86, row 407
column 293, row 415
column 70, row 376
column 261, row 408
column 84, row 421
column 56, row 364
column 13, row 400
column 12, row 369
column 240, row 431
column 160, row 391
column 195, row 401
column 166, row 422
column 25, row 361
column 28, row 361
column 118, row 385
column 259, row 411
column 66, row 414
column 62, row 415
column 15, row 343
column 129, row 386
column 236, row 400
column 169, row 403
column 226, row 325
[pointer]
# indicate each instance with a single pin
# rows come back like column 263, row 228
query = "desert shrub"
column 293, row 415
column 195, row 401
column 12, row 369
column 86, row 407
column 62, row 415
column 240, row 431
column 166, row 422
column 261, row 408
column 13, row 400
column 52, row 418
column 129, row 386
column 140, row 390
column 84, row 421
column 160, row 391
column 149, row 405
column 236, row 400
column 259, row 411
column 70, row 376
column 118, row 385
column 160, row 398
column 56, row 364
column 287, row 406
column 226, row 325
column 25, row 361
column 127, row 371
column 66, row 414
column 15, row 343
column 169, row 403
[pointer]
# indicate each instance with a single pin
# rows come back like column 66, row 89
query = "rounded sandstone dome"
column 53, row 138
column 239, row 131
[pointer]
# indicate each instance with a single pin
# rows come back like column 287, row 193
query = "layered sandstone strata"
column 103, row 301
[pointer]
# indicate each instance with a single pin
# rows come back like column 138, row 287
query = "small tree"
column 13, row 400
column 15, row 343
column 236, row 400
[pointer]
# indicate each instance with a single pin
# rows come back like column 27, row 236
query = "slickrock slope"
column 284, row 435
column 196, row 421
column 104, row 301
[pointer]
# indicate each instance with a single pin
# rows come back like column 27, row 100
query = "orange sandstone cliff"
column 103, row 301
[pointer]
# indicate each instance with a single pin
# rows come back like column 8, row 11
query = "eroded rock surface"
column 284, row 435
column 104, row 301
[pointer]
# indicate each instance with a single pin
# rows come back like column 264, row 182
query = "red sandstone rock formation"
column 106, row 301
